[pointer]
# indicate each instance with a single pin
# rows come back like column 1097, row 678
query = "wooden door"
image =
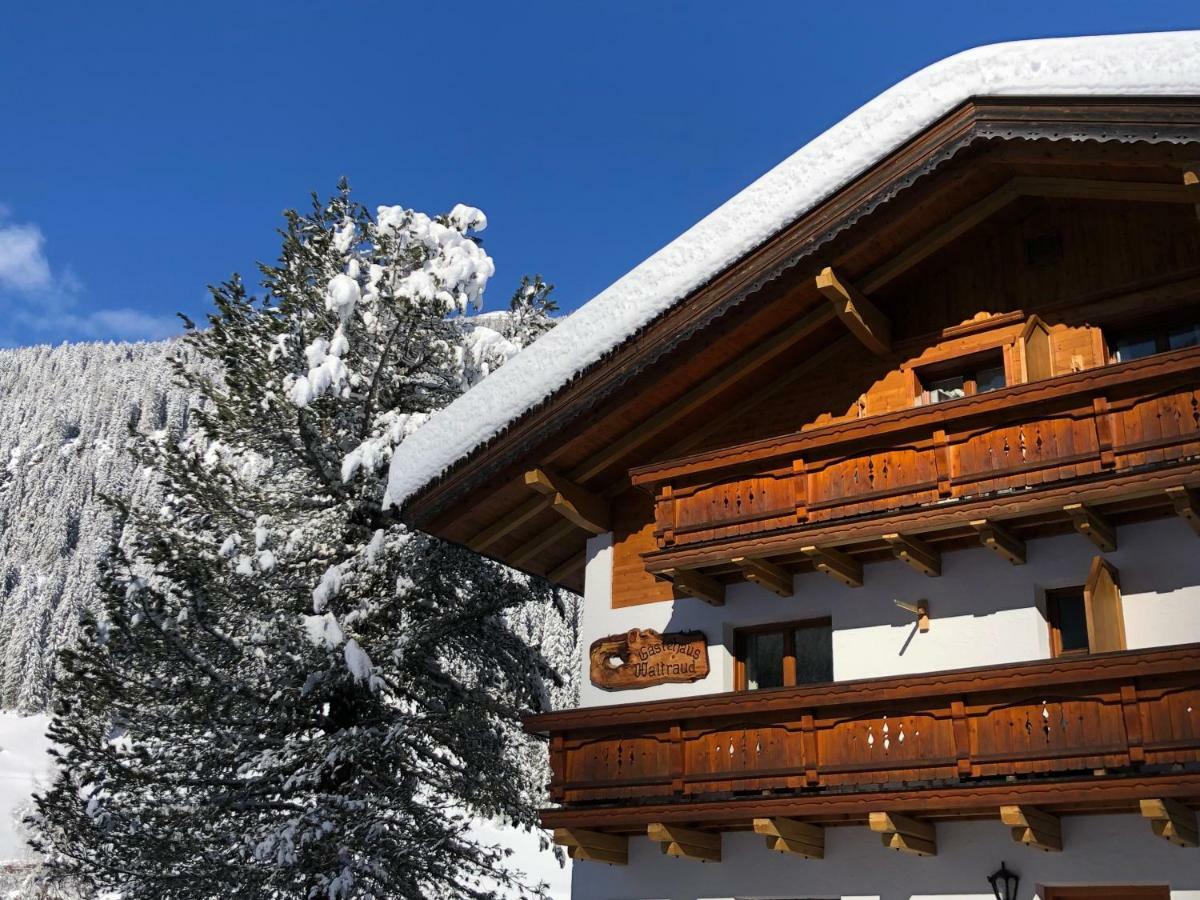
column 1108, row 892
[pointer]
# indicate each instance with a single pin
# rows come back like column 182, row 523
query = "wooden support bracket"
column 920, row 610
column 1093, row 526
column 574, row 503
column 904, row 834
column 916, row 553
column 765, row 574
column 593, row 846
column 1000, row 541
column 690, row 583
column 1172, row 821
column 857, row 313
column 1187, row 505
column 792, row 836
column 1033, row 827
column 686, row 842
column 836, row 564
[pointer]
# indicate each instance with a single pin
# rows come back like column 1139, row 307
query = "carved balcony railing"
column 1092, row 426
column 1115, row 714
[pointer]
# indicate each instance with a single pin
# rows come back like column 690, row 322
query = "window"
column 1139, row 341
column 784, row 655
column 962, row 379
column 1089, row 618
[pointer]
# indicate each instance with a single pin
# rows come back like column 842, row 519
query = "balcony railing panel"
column 1110, row 420
column 1114, row 712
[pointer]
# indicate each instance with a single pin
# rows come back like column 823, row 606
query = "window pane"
column 1183, row 336
column 764, row 660
column 1072, row 622
column 1127, row 348
column 991, row 379
column 947, row 389
column 814, row 654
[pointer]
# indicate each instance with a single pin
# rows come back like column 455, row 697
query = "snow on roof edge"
column 1153, row 64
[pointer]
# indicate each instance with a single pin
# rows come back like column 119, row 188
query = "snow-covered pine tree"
column 288, row 693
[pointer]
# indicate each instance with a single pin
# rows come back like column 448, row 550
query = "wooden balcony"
column 1020, row 454
column 1094, row 733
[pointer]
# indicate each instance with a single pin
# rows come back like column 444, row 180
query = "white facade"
column 984, row 611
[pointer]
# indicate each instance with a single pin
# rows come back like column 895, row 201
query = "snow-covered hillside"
column 65, row 413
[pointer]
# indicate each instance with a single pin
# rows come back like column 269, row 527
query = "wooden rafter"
column 1022, row 186
column 508, row 524
column 556, row 533
column 1187, row 505
column 904, row 834
column 1172, row 821
column 857, row 313
column 686, row 842
column 575, row 563
column 1000, row 541
column 690, row 583
column 836, row 564
column 1033, row 827
column 593, row 846
column 1093, row 526
column 916, row 553
column 574, row 503
column 792, row 836
column 765, row 574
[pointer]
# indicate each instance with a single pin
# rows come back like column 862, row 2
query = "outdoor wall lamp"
column 1004, row 883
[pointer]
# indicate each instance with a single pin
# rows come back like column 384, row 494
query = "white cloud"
column 39, row 302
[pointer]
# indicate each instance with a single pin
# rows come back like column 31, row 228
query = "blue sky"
column 146, row 150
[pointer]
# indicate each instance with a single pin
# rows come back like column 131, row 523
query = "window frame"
column 967, row 367
column 1158, row 330
column 789, row 648
column 1054, row 597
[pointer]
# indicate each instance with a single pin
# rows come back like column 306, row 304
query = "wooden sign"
column 642, row 657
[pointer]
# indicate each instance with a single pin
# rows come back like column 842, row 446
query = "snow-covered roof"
column 1163, row 64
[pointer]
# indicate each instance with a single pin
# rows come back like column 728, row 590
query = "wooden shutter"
column 1035, row 350
column 1102, row 598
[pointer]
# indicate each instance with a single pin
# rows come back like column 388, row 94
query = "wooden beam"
column 507, row 524
column 557, row 533
column 916, row 553
column 765, row 574
column 562, row 571
column 836, row 564
column 1172, row 821
column 792, row 836
column 1187, row 505
column 575, row 503
column 1000, row 541
column 690, row 583
column 1022, row 186
column 857, row 313
column 773, row 347
column 1033, row 827
column 594, row 846
column 935, row 239
column 686, row 842
column 1093, row 526
column 904, row 834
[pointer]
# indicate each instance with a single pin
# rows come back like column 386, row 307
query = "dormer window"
column 1142, row 340
column 961, row 378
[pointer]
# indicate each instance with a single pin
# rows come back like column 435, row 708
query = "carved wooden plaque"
column 642, row 657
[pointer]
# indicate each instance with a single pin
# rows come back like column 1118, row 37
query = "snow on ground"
column 1138, row 64
column 24, row 766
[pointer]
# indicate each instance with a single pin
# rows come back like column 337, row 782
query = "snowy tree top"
column 1165, row 64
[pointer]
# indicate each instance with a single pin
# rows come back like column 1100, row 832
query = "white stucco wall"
column 984, row 611
column 1097, row 850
